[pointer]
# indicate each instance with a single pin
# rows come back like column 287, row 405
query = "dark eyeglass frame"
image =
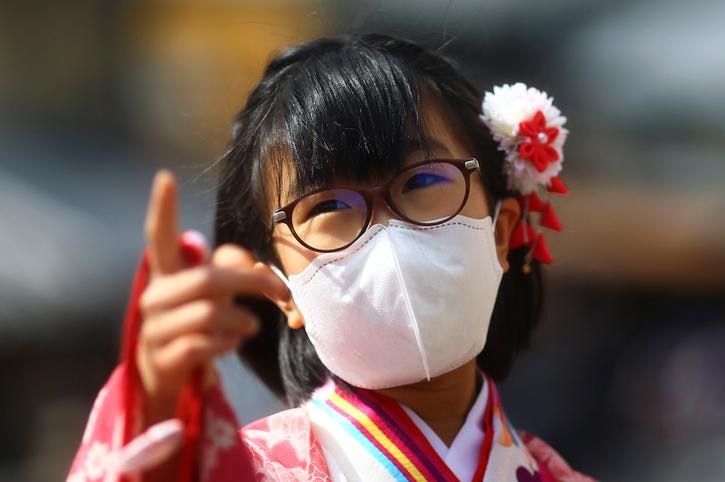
column 283, row 215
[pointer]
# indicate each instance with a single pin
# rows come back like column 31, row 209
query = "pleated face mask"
column 404, row 303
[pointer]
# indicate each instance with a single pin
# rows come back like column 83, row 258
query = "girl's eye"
column 422, row 180
column 328, row 206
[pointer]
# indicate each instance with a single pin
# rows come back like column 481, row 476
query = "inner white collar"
column 463, row 455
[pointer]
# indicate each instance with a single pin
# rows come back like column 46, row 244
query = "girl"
column 376, row 263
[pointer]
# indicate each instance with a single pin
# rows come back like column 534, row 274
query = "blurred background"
column 625, row 374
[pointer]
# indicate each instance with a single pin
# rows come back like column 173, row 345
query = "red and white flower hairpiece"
column 530, row 131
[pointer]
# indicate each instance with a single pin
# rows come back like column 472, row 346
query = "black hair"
column 341, row 108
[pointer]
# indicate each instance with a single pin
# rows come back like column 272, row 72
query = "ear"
column 286, row 305
column 294, row 317
column 508, row 215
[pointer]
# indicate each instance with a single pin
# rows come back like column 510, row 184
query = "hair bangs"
column 345, row 117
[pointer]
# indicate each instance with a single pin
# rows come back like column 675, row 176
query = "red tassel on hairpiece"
column 557, row 186
column 549, row 219
column 531, row 203
column 541, row 250
column 522, row 235
column 536, row 205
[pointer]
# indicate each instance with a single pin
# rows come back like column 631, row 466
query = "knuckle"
column 204, row 278
column 207, row 313
column 187, row 351
column 225, row 249
column 144, row 333
column 150, row 334
column 191, row 349
column 233, row 256
column 147, row 301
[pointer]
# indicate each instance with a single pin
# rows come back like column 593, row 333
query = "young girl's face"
column 446, row 140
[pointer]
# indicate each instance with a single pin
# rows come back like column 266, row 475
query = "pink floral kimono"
column 341, row 434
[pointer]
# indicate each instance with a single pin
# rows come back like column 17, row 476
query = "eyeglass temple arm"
column 278, row 216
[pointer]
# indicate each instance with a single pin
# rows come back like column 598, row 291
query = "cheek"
column 293, row 256
column 476, row 205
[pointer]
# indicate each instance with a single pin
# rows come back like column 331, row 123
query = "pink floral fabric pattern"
column 94, row 459
column 278, row 448
column 222, row 455
column 283, row 448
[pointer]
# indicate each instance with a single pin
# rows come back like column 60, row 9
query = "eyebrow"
column 410, row 146
column 413, row 144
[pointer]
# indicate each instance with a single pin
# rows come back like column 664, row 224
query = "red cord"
column 190, row 406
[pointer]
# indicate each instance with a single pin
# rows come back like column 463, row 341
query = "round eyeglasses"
column 426, row 194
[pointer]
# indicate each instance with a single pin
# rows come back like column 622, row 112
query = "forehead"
column 438, row 133
column 443, row 128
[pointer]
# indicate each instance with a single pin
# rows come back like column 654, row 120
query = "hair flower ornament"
column 530, row 131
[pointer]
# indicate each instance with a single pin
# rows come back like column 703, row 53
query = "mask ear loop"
column 280, row 275
column 496, row 211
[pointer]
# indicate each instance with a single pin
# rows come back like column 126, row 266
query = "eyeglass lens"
column 424, row 194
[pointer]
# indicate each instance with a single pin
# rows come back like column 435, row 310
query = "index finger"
column 234, row 256
column 162, row 233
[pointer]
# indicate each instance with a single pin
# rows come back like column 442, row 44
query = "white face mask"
column 404, row 303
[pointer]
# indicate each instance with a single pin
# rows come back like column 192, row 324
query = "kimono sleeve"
column 554, row 465
column 221, row 455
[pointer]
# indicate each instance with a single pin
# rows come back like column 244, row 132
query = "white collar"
column 463, row 455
